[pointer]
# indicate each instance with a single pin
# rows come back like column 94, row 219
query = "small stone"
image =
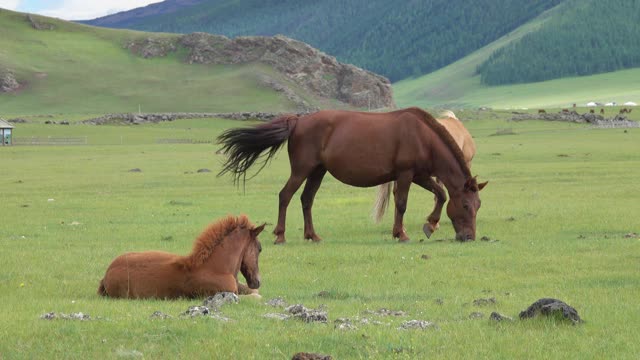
column 417, row 324
column 499, row 317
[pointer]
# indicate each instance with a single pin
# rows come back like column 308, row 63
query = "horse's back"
column 358, row 148
column 461, row 136
column 142, row 274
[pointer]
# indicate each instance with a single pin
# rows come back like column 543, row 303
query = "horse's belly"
column 361, row 176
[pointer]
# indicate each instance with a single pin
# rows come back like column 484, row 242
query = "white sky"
column 73, row 9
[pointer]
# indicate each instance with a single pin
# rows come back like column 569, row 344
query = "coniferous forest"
column 586, row 37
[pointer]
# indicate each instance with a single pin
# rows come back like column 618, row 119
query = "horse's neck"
column 448, row 169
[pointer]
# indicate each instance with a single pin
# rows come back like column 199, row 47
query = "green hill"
column 584, row 37
column 72, row 68
column 397, row 39
column 459, row 84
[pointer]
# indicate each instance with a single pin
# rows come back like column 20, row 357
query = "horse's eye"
column 259, row 248
column 465, row 206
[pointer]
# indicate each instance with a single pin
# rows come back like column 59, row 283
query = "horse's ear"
column 257, row 230
column 470, row 184
column 482, row 185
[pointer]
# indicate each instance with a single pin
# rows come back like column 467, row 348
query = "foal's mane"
column 444, row 135
column 213, row 235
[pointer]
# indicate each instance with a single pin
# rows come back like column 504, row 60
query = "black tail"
column 244, row 146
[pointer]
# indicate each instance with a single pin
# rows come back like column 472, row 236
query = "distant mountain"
column 407, row 39
column 397, row 39
column 128, row 19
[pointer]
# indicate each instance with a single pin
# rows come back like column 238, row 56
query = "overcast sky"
column 73, row 9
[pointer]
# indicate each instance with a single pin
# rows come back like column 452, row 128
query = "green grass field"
column 560, row 201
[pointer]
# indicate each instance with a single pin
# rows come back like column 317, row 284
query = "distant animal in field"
column 224, row 248
column 624, row 111
column 591, row 111
column 565, row 110
column 601, row 111
column 360, row 149
column 541, row 111
column 465, row 142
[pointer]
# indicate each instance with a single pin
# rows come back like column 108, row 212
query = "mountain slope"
column 459, row 85
column 585, row 37
column 395, row 39
column 71, row 68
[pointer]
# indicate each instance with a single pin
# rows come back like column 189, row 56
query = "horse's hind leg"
column 433, row 220
column 401, row 192
column 290, row 188
column 308, row 194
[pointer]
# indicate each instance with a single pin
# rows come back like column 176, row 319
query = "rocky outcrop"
column 8, row 82
column 38, row 24
column 138, row 118
column 572, row 116
column 152, row 47
column 309, row 68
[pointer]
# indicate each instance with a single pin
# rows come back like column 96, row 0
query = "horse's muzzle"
column 254, row 283
column 464, row 237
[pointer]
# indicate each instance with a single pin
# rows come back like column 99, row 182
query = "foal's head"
column 249, row 264
column 463, row 208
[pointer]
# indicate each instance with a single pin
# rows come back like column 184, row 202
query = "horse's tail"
column 382, row 201
column 243, row 146
column 101, row 289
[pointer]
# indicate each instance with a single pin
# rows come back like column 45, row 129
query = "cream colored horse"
column 464, row 140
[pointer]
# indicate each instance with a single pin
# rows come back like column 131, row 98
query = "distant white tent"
column 591, row 104
column 610, row 104
column 630, row 103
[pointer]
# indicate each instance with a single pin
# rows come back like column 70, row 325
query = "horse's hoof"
column 314, row 238
column 429, row 229
column 280, row 240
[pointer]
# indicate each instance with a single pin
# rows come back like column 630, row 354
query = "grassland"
column 560, row 202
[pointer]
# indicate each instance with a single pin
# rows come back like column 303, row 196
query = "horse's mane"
column 206, row 242
column 444, row 135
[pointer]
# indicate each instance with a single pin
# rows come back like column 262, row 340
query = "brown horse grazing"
column 360, row 149
column 465, row 142
column 224, row 248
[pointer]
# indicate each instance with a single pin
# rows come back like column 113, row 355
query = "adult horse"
column 224, row 248
column 465, row 142
column 360, row 149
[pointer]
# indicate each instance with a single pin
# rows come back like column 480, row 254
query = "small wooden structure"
column 6, row 130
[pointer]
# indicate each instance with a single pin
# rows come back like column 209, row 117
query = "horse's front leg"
column 401, row 194
column 290, row 188
column 433, row 220
column 308, row 194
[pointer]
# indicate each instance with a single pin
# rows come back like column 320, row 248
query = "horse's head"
column 463, row 207
column 249, row 264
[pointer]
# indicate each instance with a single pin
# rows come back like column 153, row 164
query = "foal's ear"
column 482, row 185
column 257, row 230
